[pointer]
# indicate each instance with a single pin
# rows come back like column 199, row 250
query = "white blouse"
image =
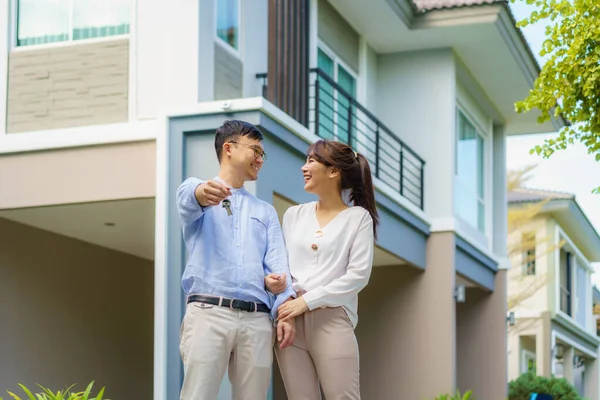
column 331, row 263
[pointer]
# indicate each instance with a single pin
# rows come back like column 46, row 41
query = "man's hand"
column 275, row 283
column 286, row 332
column 291, row 309
column 211, row 193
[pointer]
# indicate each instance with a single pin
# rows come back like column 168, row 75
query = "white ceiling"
column 133, row 229
column 132, row 233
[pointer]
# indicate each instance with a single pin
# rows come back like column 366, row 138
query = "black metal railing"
column 336, row 115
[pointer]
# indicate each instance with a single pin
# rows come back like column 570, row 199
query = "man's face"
column 246, row 157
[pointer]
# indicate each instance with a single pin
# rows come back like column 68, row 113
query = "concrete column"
column 499, row 203
column 433, row 324
column 4, row 51
column 175, row 55
column 568, row 354
column 255, row 46
column 592, row 380
column 544, row 357
column 406, row 328
column 482, row 337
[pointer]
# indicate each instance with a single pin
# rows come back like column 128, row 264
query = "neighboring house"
column 555, row 331
column 111, row 104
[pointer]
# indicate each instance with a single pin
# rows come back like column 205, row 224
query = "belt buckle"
column 231, row 304
column 255, row 306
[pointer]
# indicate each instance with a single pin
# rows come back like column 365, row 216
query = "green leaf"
column 86, row 394
column 27, row 392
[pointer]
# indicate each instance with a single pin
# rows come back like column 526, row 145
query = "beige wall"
column 72, row 313
column 481, row 361
column 531, row 293
column 65, row 86
column 75, row 175
column 406, row 328
column 386, row 334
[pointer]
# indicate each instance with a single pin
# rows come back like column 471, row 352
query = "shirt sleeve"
column 276, row 260
column 360, row 263
column 188, row 207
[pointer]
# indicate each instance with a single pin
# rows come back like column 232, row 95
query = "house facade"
column 110, row 105
column 555, row 331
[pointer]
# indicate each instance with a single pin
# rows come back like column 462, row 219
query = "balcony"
column 334, row 114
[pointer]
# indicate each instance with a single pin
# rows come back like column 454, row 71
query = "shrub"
column 466, row 396
column 47, row 394
column 528, row 383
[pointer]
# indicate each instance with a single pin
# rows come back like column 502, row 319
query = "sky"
column 571, row 170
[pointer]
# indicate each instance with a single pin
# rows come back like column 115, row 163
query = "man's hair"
column 231, row 131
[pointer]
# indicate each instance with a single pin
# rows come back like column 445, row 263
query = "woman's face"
column 318, row 177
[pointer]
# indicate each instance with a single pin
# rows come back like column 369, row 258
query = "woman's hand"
column 291, row 309
column 275, row 283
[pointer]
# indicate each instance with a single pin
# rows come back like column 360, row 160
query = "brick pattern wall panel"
column 68, row 86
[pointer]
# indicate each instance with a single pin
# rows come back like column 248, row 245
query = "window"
column 48, row 21
column 228, row 22
column 335, row 109
column 469, row 194
column 528, row 243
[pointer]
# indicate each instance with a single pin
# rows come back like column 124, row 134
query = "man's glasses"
column 258, row 152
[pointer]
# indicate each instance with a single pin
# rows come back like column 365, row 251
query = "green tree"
column 569, row 82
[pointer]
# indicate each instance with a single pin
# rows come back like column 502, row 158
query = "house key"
column 227, row 206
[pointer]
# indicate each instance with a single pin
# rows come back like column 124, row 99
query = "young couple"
column 237, row 254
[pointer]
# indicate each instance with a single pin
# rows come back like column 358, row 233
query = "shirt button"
column 241, row 285
column 237, row 244
column 237, row 226
column 314, row 247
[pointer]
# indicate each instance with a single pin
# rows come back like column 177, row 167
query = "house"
column 555, row 331
column 110, row 105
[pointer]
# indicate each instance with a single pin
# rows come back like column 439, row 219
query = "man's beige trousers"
column 214, row 338
column 324, row 350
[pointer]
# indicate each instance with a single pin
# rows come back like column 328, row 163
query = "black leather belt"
column 249, row 306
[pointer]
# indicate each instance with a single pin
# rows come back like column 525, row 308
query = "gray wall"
column 338, row 34
column 66, row 86
column 73, row 312
column 228, row 74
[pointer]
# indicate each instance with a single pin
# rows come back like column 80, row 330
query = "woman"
column 330, row 251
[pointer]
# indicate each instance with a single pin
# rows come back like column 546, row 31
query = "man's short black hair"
column 231, row 131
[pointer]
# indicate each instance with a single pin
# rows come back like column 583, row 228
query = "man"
column 233, row 240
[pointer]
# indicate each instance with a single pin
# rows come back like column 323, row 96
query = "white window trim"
column 580, row 260
column 237, row 53
column 14, row 25
column 336, row 60
column 524, row 355
column 487, row 142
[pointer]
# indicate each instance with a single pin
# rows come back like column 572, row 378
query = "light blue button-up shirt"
column 230, row 255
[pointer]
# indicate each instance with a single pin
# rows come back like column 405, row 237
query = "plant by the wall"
column 466, row 396
column 47, row 394
column 559, row 388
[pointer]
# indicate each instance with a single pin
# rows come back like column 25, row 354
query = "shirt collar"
column 241, row 190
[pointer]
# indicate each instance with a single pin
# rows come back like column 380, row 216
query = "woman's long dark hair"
column 355, row 171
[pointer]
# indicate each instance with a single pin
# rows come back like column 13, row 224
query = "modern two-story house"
column 106, row 106
column 555, row 330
